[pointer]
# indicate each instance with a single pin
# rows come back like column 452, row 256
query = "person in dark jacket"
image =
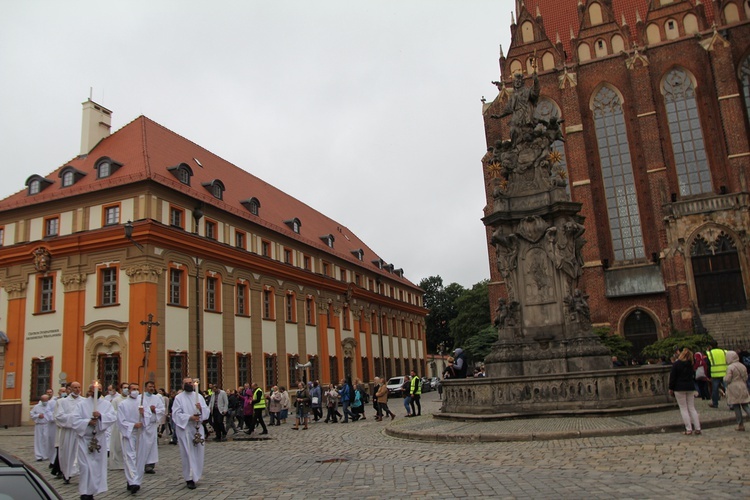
column 682, row 386
column 460, row 366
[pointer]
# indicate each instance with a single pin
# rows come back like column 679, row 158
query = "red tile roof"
column 146, row 149
column 559, row 16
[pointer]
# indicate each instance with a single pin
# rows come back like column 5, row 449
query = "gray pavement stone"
column 291, row 464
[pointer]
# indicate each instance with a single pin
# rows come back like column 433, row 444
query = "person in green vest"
column 415, row 393
column 717, row 362
column 259, row 404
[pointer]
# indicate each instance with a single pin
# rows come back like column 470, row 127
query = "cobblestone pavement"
column 358, row 460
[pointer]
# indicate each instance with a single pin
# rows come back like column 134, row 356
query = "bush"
column 618, row 346
column 667, row 346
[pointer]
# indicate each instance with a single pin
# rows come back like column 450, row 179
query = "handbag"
column 315, row 400
column 700, row 373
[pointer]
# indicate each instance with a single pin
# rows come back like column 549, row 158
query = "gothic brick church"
column 655, row 102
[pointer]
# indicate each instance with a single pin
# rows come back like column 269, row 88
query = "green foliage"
column 618, row 346
column 472, row 314
column 667, row 346
column 478, row 346
column 440, row 301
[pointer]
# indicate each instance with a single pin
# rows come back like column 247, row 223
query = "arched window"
column 617, row 174
column 546, row 109
column 527, row 32
column 731, row 13
column 68, row 178
column 745, row 81
column 595, row 14
column 691, row 163
column 639, row 329
column 717, row 274
column 652, row 34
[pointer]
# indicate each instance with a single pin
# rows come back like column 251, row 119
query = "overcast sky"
column 369, row 111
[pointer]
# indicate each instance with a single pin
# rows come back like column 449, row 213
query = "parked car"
column 434, row 381
column 20, row 480
column 426, row 386
column 395, row 386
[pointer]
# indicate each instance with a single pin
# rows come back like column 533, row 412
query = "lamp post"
column 197, row 215
column 129, row 235
column 380, row 331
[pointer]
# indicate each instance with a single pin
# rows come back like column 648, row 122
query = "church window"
column 617, row 175
column 745, row 81
column 691, row 162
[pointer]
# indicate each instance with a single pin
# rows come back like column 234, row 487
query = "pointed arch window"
column 617, row 175
column 745, row 81
column 691, row 162
column 717, row 274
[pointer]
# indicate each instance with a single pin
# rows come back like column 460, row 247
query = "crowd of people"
column 119, row 429
column 718, row 373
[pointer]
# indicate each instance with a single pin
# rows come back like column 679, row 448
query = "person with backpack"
column 346, row 392
column 358, row 407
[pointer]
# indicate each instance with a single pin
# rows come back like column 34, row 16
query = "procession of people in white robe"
column 44, row 429
column 133, row 420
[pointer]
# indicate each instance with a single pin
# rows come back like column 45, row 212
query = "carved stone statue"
column 521, row 106
column 506, row 314
column 578, row 303
column 41, row 259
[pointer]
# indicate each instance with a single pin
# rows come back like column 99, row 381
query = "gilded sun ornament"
column 494, row 169
column 554, row 157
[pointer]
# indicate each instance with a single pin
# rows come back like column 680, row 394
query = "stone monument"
column 547, row 357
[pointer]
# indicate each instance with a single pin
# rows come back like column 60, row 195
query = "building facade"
column 654, row 97
column 219, row 276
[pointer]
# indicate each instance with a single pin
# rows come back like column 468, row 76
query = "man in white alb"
column 189, row 410
column 90, row 420
column 156, row 404
column 41, row 414
column 115, row 440
column 67, row 443
column 132, row 419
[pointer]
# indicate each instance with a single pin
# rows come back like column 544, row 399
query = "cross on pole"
column 147, row 343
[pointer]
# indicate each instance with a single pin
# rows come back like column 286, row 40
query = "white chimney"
column 96, row 123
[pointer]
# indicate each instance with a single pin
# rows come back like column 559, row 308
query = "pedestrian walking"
column 682, row 386
column 736, row 382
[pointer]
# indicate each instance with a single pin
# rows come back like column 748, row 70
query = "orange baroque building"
column 237, row 281
column 655, row 98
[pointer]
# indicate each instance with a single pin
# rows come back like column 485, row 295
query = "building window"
column 329, row 316
column 342, row 275
column 46, row 294
column 177, row 217
column 111, row 215
column 289, row 307
column 177, row 370
column 717, row 274
column 691, row 162
column 51, row 226
column 314, row 368
column 268, row 304
column 68, row 178
column 252, row 205
column 2, row 236
column 211, row 229
column 287, row 256
column 244, row 373
column 307, row 262
column 326, row 268
column 365, row 370
column 109, row 369
column 310, row 311
column 213, row 368
column 41, row 377
column 745, row 82
column 295, row 226
column 108, row 286
column 104, row 169
column 184, row 176
column 217, row 191
column 242, row 296
column 240, row 238
column 345, row 315
column 35, row 187
column 357, row 279
column 334, row 369
column 293, row 376
column 212, row 294
column 271, row 370
column 328, row 240
column 265, row 248
column 617, row 173
column 175, row 287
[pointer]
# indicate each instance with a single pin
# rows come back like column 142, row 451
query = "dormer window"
column 252, row 205
column 399, row 272
column 183, row 172
column 378, row 263
column 106, row 167
column 36, row 184
column 388, row 268
column 216, row 187
column 294, row 224
column 70, row 176
column 359, row 254
column 328, row 240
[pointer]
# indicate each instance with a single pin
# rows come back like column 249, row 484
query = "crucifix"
column 147, row 343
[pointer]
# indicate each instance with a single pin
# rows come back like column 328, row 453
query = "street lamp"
column 197, row 216
column 129, row 235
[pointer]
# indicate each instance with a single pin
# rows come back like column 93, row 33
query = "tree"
column 479, row 345
column 439, row 300
column 667, row 346
column 472, row 313
column 618, row 346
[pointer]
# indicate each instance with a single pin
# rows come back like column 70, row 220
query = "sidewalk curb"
column 546, row 436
